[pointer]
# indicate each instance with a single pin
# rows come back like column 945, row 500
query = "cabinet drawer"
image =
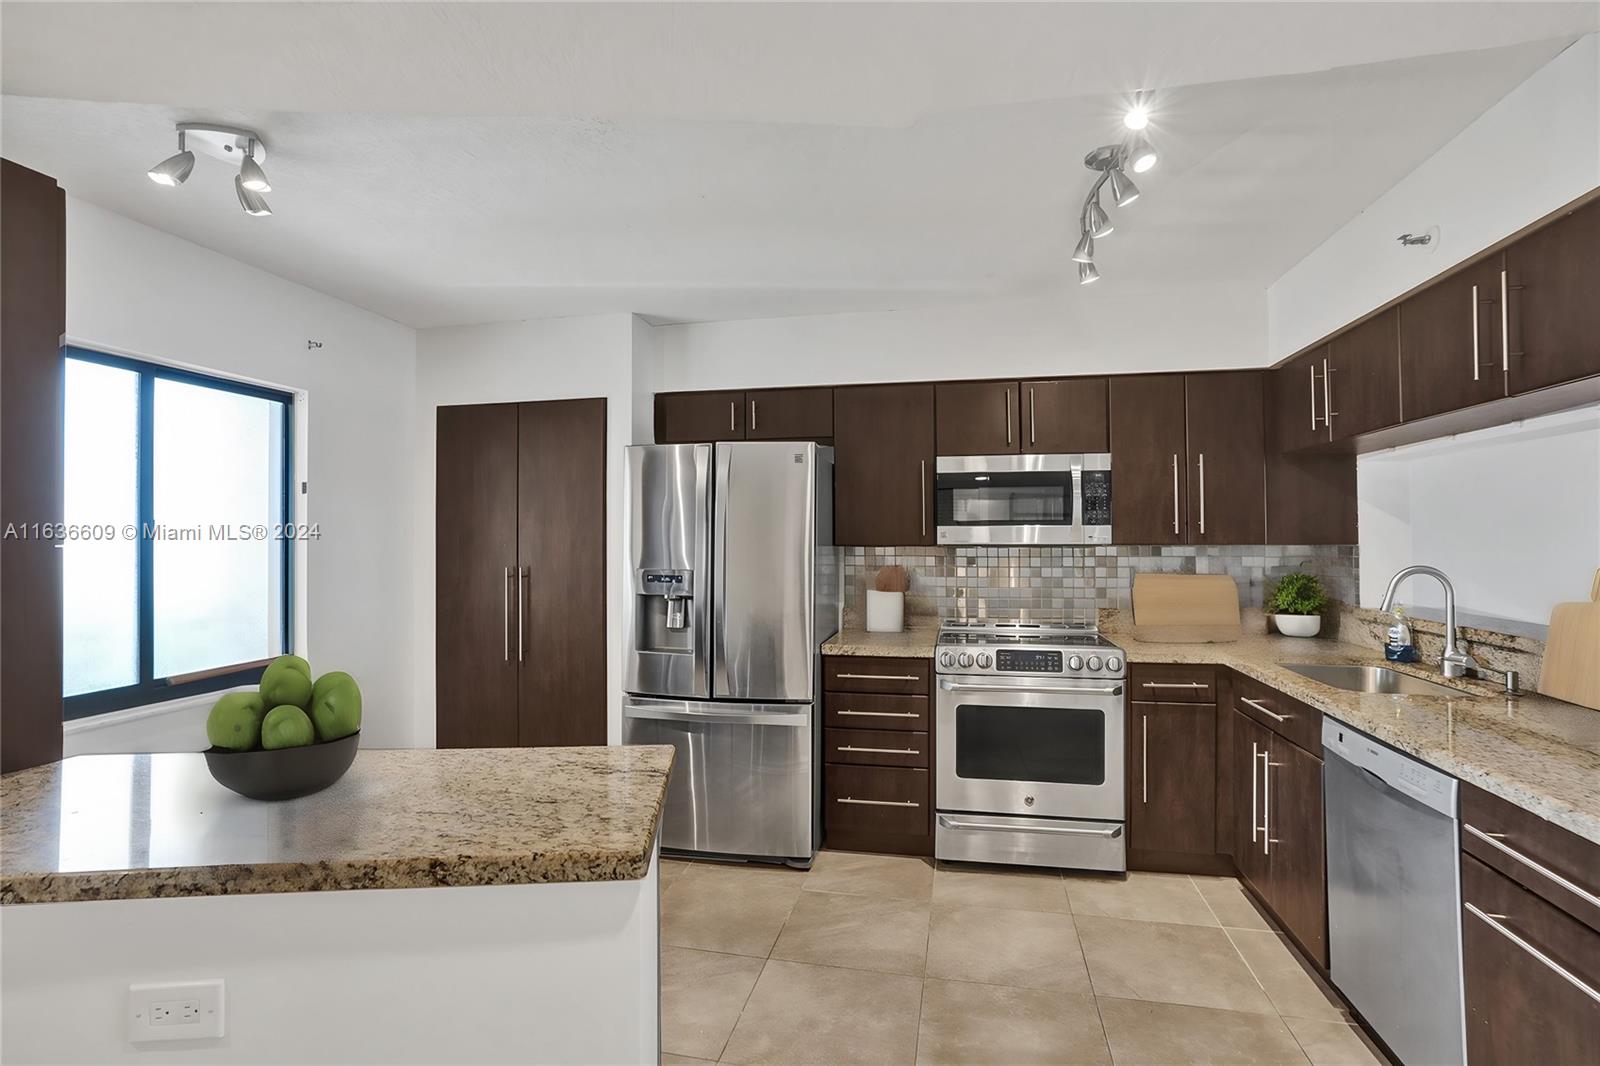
column 1296, row 722
column 864, row 710
column 1169, row 683
column 870, row 747
column 876, row 800
column 857, row 673
column 1532, row 852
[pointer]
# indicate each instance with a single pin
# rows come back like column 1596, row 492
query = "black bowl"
column 284, row 773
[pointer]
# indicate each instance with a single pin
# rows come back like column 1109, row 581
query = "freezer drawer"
column 743, row 783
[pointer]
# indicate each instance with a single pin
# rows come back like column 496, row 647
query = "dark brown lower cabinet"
column 877, row 755
column 520, row 645
column 1174, row 779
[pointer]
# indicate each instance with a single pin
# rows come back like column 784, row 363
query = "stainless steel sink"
column 1370, row 679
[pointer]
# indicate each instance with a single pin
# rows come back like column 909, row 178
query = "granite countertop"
column 917, row 641
column 100, row 827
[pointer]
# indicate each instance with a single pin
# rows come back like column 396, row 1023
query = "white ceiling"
column 455, row 163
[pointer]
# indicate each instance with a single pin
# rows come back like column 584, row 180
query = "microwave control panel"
column 1097, row 497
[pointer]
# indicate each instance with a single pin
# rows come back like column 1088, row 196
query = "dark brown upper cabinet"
column 977, row 418
column 697, row 417
column 789, row 414
column 1296, row 402
column 1361, row 390
column 1551, row 280
column 1227, row 458
column 1064, row 416
column 1450, row 343
column 1149, row 459
column 883, row 473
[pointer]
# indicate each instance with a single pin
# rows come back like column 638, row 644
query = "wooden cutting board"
column 1185, row 608
column 1571, row 669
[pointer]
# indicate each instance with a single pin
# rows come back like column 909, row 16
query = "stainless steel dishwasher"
column 1394, row 894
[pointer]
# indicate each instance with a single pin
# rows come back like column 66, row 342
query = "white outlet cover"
column 160, row 1013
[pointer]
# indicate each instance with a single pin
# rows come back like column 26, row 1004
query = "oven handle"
column 1036, row 689
column 1057, row 830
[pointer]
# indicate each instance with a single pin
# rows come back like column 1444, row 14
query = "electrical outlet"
column 191, row 1011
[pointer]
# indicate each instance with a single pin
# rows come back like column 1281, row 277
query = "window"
column 178, row 538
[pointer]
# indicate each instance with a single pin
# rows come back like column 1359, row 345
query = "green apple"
column 336, row 706
column 235, row 721
column 286, row 727
column 287, row 686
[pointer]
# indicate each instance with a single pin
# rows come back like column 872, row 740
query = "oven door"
column 1031, row 746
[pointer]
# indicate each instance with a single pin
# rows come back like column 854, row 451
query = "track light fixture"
column 1088, row 274
column 1096, row 223
column 1084, row 252
column 234, row 146
column 1111, row 162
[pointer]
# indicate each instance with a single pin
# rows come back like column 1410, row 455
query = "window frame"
column 149, row 689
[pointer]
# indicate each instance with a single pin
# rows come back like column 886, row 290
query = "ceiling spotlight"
column 174, row 169
column 1123, row 190
column 1095, row 220
column 252, row 203
column 1140, row 155
column 251, row 175
column 1087, row 274
column 1137, row 117
column 1084, row 253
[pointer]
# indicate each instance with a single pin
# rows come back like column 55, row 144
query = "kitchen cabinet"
column 1311, row 491
column 697, row 417
column 1361, row 382
column 1172, row 793
column 1227, row 501
column 1295, row 403
column 1066, row 416
column 520, row 563
column 884, row 465
column 789, row 414
column 1251, row 746
column 1552, row 315
column 1149, row 459
column 976, row 418
column 877, row 753
column 1450, row 343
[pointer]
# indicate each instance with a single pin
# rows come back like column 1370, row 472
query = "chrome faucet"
column 1456, row 662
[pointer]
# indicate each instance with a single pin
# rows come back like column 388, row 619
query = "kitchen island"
column 432, row 905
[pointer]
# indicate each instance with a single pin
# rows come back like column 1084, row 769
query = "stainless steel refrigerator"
column 735, row 584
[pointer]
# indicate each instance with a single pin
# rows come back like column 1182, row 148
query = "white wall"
column 1512, row 514
column 137, row 291
column 548, row 359
column 1535, row 150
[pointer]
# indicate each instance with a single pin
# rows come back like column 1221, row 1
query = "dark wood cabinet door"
column 1363, row 377
column 1552, row 276
column 1251, row 744
column 1297, row 878
column 1519, row 1009
column 977, row 418
column 1227, row 458
column 1172, row 802
column 883, row 466
column 1149, row 468
column 1311, row 498
column 789, row 414
column 1295, row 413
column 1064, row 416
column 697, row 417
column 476, row 562
column 559, row 632
column 1450, row 343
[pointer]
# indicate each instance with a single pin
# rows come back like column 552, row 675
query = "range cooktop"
column 1062, row 649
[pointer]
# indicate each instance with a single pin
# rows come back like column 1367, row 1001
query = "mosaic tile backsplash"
column 1075, row 580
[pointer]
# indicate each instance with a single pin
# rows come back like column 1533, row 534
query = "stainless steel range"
column 1030, row 732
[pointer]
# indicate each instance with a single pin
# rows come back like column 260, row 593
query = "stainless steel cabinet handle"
column 733, row 417
column 752, row 416
column 1144, row 772
column 520, row 641
column 1493, row 839
column 1505, row 326
column 1270, row 714
column 879, row 751
column 1175, row 492
column 1202, row 494
column 1328, row 412
column 1033, row 419
column 1474, row 333
column 1174, row 684
column 1313, row 369
column 922, row 484
column 1561, row 971
column 1008, row 417
column 1266, row 807
column 879, row 803
column 505, row 613
column 1061, row 830
column 1255, row 787
column 882, row 714
column 879, row 677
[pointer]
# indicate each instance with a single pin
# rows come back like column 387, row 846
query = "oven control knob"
column 1094, row 662
column 947, row 659
column 1113, row 663
column 984, row 659
column 1075, row 663
column 965, row 659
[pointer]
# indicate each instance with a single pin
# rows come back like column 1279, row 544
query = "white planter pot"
column 1298, row 625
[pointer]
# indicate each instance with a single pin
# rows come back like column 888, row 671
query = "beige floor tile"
column 861, row 932
column 1169, row 1034
column 702, row 993
column 1292, row 989
column 972, row 1023
column 1333, row 1043
column 728, row 908
column 1230, row 903
column 821, row 1014
column 1029, row 949
column 1144, row 897
column 680, row 1060
column 898, row 876
column 969, row 885
column 1169, row 963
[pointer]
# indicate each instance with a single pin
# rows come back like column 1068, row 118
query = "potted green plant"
column 1296, row 604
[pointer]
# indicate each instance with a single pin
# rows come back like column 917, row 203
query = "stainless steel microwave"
column 1023, row 499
